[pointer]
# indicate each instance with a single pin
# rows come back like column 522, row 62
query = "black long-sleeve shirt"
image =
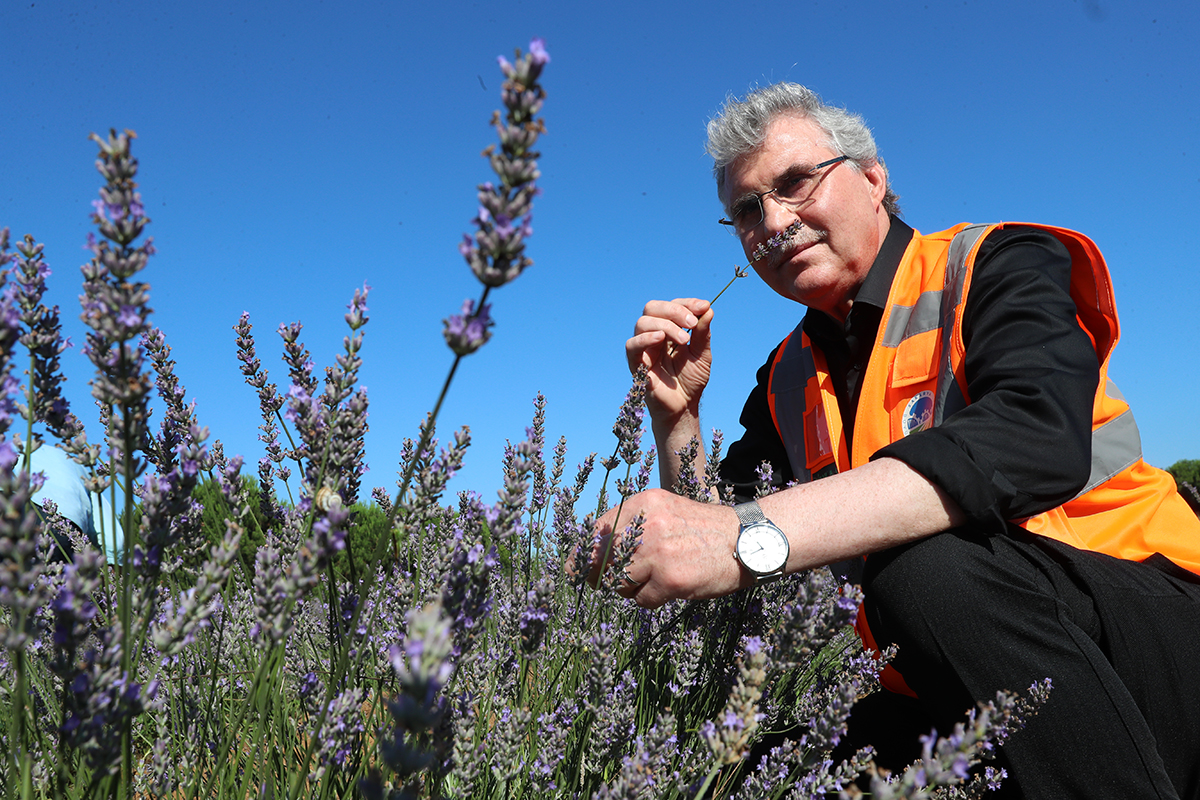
column 1023, row 444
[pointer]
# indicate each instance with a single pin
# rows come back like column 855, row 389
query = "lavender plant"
column 302, row 643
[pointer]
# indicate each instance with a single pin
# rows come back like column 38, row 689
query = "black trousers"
column 972, row 614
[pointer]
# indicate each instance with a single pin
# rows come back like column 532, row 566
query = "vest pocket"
column 916, row 359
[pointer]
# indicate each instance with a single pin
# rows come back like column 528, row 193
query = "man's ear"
column 877, row 178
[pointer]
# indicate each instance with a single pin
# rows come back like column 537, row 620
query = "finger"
column 678, row 311
column 629, row 585
column 704, row 318
column 596, row 562
column 602, row 551
column 667, row 328
column 644, row 350
column 695, row 305
column 701, row 333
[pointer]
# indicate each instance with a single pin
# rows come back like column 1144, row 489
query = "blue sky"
column 291, row 151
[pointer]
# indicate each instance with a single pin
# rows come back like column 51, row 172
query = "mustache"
column 808, row 237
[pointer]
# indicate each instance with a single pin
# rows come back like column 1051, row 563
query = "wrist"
column 761, row 547
column 677, row 429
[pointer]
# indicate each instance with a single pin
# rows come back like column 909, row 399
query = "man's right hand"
column 679, row 363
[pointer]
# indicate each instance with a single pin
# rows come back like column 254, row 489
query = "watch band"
column 749, row 513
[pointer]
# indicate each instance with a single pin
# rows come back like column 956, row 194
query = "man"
column 946, row 409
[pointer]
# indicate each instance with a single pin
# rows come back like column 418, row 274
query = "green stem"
column 267, row 663
column 127, row 443
column 712, row 774
column 736, row 274
column 283, row 427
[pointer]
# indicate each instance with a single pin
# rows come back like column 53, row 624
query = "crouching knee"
column 922, row 595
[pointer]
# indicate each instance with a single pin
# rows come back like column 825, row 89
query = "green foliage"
column 368, row 524
column 217, row 510
column 1186, row 471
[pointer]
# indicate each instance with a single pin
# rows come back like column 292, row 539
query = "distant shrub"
column 1186, row 471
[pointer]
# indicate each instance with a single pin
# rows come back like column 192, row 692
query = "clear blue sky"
column 291, row 151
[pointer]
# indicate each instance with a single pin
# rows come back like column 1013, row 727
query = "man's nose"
column 776, row 215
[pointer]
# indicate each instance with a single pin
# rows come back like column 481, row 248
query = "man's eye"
column 793, row 186
column 744, row 212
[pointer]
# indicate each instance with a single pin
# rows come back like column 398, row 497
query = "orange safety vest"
column 915, row 380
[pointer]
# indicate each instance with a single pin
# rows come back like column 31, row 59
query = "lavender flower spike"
column 730, row 736
column 496, row 254
column 422, row 667
column 468, row 331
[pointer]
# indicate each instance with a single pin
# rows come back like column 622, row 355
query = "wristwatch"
column 761, row 547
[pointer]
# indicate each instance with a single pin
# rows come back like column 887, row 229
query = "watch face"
column 763, row 548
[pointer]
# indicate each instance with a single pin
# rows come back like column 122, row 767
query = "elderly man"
column 945, row 411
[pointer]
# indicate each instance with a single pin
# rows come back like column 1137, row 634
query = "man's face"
column 843, row 216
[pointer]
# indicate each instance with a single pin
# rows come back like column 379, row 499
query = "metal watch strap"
column 749, row 513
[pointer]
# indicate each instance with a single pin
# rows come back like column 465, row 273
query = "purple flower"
column 358, row 308
column 468, row 331
column 537, row 52
column 8, row 456
column 628, row 427
column 504, row 227
column 496, row 252
column 299, row 404
column 536, row 617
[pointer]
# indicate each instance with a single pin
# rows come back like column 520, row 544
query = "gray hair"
column 741, row 127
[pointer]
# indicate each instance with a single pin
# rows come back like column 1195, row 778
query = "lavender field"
column 263, row 632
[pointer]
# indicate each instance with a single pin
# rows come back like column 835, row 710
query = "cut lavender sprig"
column 761, row 252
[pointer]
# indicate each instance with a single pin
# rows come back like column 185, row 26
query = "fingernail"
column 692, row 321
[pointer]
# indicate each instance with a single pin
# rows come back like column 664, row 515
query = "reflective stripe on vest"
column 786, row 388
column 1115, row 445
column 961, row 247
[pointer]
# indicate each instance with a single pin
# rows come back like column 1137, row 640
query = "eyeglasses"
column 794, row 188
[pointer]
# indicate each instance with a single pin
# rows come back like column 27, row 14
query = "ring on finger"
column 628, row 578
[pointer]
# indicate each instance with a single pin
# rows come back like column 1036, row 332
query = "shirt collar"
column 878, row 283
column 875, row 287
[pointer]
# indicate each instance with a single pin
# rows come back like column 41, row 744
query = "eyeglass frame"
column 758, row 196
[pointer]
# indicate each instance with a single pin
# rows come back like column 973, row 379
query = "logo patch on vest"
column 918, row 414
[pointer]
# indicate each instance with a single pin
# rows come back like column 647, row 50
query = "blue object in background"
column 90, row 511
